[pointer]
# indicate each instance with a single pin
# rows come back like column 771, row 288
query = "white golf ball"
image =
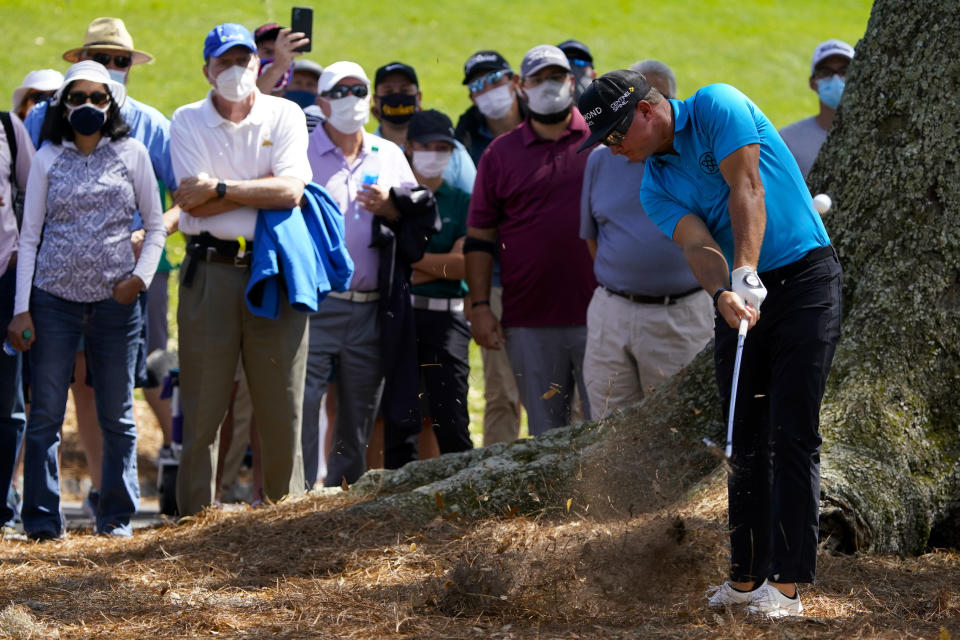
column 822, row 203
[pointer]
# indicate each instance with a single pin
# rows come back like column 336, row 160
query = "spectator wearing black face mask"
column 396, row 98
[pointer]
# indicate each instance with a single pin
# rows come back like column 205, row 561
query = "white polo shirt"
column 270, row 141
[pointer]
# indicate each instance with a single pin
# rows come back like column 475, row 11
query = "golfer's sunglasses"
column 619, row 131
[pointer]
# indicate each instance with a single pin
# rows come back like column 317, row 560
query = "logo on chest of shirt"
column 708, row 163
column 267, row 143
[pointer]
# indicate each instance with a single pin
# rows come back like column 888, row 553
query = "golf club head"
column 718, row 453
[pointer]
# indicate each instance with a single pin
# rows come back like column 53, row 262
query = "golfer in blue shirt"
column 722, row 184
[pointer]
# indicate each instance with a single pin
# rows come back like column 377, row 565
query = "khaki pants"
column 501, row 414
column 215, row 327
column 632, row 348
column 242, row 417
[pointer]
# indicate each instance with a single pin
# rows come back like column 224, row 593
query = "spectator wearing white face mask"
column 359, row 169
column 496, row 110
column 235, row 152
column 525, row 203
column 439, row 288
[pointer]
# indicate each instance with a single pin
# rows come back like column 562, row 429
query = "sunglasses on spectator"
column 578, row 62
column 38, row 96
column 342, row 90
column 97, row 98
column 490, row 79
column 119, row 61
column 619, row 131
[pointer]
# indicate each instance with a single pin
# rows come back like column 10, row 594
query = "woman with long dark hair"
column 81, row 282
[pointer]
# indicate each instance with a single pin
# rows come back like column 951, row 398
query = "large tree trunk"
column 891, row 478
column 890, row 422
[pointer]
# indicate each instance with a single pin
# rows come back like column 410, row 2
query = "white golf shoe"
column 725, row 595
column 769, row 602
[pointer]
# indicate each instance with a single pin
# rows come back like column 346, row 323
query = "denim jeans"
column 111, row 333
column 11, row 404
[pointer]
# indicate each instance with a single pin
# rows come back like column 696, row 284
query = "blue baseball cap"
column 226, row 36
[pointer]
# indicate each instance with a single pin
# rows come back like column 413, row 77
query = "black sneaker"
column 45, row 536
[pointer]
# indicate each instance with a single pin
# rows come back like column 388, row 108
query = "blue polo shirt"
column 713, row 123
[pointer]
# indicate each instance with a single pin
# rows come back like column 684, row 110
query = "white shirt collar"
column 212, row 117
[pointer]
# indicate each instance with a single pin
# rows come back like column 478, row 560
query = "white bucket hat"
column 95, row 72
column 41, row 80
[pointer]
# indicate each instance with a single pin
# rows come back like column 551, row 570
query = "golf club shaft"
column 741, row 336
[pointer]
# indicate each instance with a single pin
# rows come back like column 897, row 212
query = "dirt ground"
column 306, row 569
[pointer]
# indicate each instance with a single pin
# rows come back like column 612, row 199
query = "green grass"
column 762, row 47
column 475, row 400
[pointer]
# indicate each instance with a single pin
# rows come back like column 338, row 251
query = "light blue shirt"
column 460, row 172
column 633, row 255
column 713, row 123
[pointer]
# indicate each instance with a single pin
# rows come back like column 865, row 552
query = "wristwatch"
column 221, row 189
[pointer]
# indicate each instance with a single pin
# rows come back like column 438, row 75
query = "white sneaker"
column 725, row 595
column 768, row 601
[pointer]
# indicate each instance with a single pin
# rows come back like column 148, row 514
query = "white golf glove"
column 746, row 284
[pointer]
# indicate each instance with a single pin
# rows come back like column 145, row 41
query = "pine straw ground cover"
column 306, row 569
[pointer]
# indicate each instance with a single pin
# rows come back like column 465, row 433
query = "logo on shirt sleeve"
column 708, row 163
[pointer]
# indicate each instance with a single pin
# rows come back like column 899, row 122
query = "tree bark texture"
column 891, row 479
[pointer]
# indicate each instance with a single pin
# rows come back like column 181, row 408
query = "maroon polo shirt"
column 528, row 189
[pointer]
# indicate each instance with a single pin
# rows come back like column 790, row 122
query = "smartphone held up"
column 301, row 20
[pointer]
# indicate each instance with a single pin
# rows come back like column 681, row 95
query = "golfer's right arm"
column 710, row 268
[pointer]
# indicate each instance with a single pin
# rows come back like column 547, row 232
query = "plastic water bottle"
column 371, row 167
column 8, row 348
column 371, row 172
